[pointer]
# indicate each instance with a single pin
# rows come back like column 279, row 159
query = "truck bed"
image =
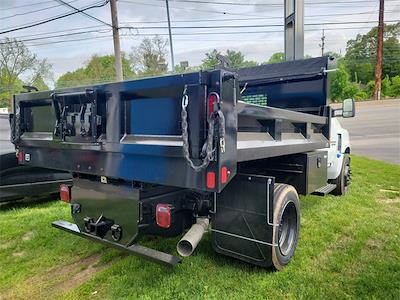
column 132, row 130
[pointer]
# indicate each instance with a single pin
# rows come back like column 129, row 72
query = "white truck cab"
column 339, row 170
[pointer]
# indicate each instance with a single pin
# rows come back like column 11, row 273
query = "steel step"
column 325, row 189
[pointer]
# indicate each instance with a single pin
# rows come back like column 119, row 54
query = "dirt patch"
column 87, row 268
column 18, row 254
column 388, row 201
column 58, row 280
column 28, row 236
column 6, row 245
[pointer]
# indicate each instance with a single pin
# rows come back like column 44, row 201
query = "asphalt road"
column 375, row 130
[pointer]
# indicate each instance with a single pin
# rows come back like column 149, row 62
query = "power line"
column 33, row 11
column 254, row 18
column 59, row 35
column 174, row 21
column 26, row 5
column 193, row 9
column 84, row 13
column 55, row 18
column 208, row 11
column 260, row 25
column 196, row 27
column 271, row 4
column 192, row 34
column 48, row 18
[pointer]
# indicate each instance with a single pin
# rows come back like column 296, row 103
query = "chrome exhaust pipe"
column 191, row 239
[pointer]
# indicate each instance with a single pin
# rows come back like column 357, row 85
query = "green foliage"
column 351, row 90
column 386, row 86
column 276, row 58
column 236, row 60
column 339, row 84
column 360, row 58
column 333, row 54
column 370, row 88
column 150, row 57
column 16, row 59
column 361, row 95
column 395, row 90
column 181, row 69
column 98, row 69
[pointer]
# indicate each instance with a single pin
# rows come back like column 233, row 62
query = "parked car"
column 17, row 181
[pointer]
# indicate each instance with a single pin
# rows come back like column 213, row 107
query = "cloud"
column 69, row 56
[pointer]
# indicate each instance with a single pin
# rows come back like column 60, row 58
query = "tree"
column 360, row 58
column 184, row 67
column 16, row 60
column 211, row 60
column 276, row 58
column 98, row 69
column 150, row 57
column 333, row 54
column 236, row 60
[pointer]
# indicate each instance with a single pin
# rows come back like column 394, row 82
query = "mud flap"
column 242, row 225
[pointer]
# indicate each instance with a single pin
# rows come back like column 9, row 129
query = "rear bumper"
column 31, row 189
column 135, row 249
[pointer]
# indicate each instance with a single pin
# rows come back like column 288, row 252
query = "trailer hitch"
column 135, row 249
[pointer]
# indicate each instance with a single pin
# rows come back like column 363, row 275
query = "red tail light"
column 224, row 175
column 65, row 193
column 212, row 99
column 20, row 156
column 211, row 180
column 163, row 215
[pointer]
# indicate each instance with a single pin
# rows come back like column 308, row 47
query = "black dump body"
column 298, row 85
column 185, row 140
column 132, row 130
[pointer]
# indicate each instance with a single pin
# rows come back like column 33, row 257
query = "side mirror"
column 348, row 108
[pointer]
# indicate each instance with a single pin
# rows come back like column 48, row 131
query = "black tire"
column 287, row 215
column 343, row 180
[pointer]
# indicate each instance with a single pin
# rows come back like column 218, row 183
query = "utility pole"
column 117, row 46
column 170, row 38
column 294, row 29
column 379, row 50
column 322, row 45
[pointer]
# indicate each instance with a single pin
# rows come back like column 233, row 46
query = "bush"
column 339, row 83
column 350, row 90
column 395, row 88
column 361, row 95
column 370, row 88
column 386, row 86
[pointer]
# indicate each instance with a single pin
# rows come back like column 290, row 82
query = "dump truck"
column 221, row 151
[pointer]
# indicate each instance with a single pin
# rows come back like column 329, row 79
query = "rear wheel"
column 287, row 217
column 343, row 180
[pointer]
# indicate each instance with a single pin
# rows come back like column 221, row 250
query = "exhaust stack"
column 192, row 238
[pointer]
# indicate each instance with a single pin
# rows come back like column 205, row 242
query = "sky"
column 261, row 36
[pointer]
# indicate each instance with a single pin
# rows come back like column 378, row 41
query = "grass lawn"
column 349, row 248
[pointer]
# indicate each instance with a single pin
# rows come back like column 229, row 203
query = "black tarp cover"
column 290, row 70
